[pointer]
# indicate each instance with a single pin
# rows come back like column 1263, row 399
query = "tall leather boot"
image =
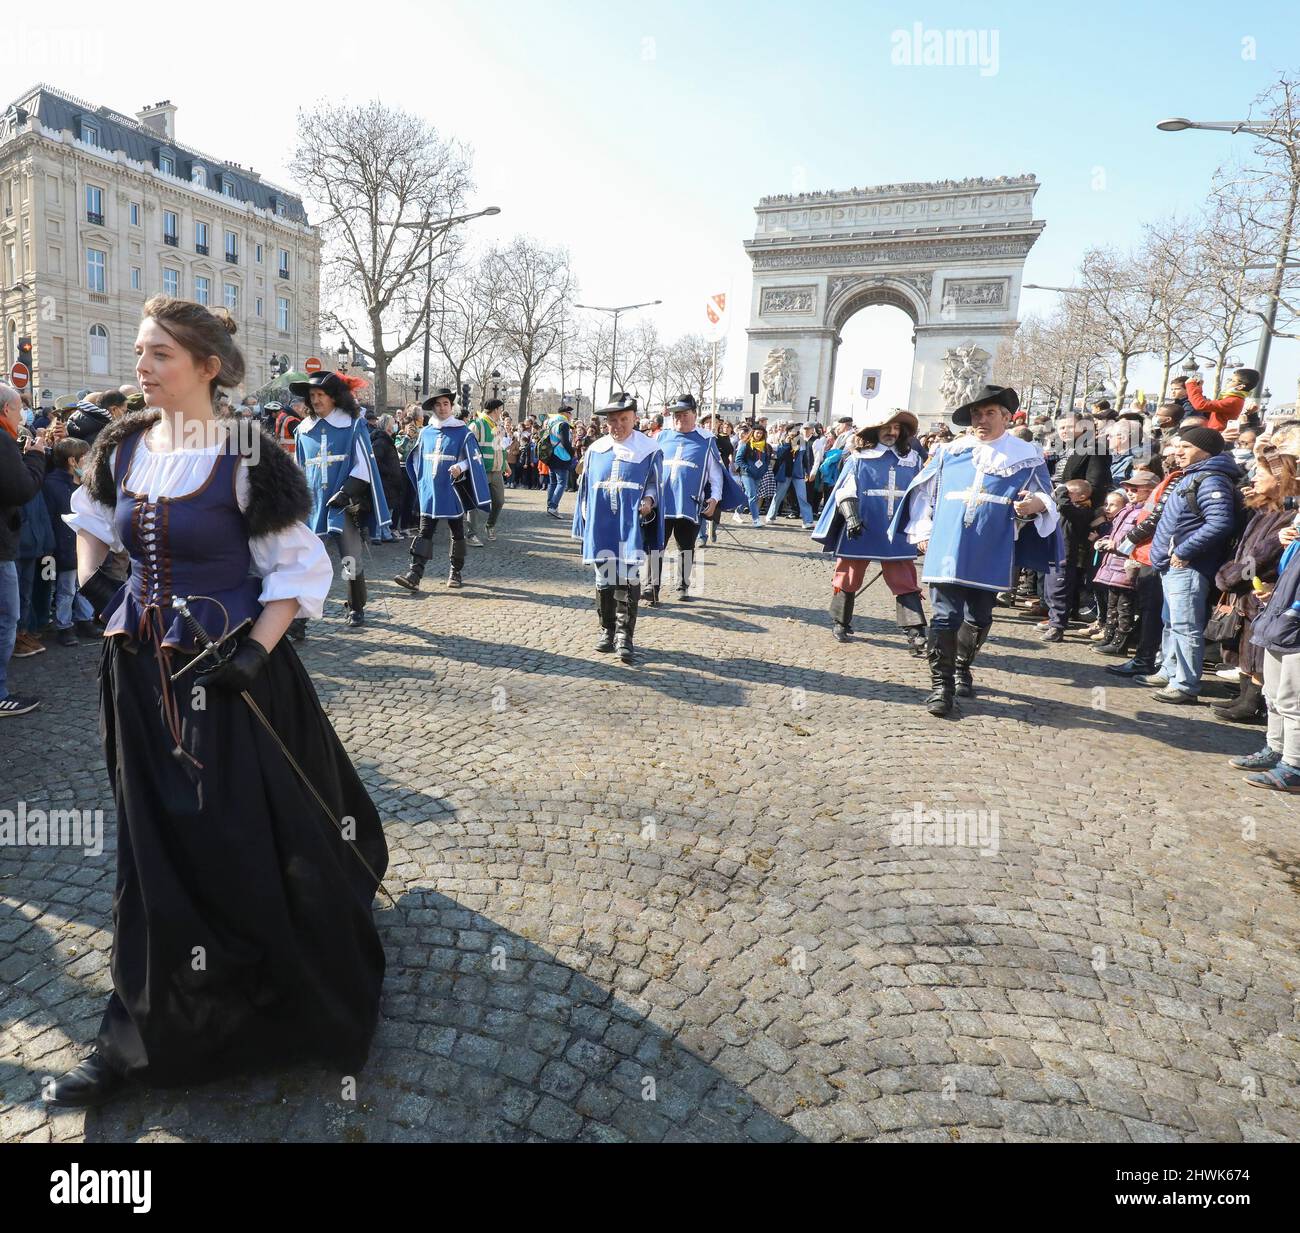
column 625, row 606
column 941, row 650
column 457, row 563
column 606, row 612
column 684, row 564
column 969, row 640
column 842, row 615
column 356, row 602
column 909, row 616
column 421, row 551
column 298, row 629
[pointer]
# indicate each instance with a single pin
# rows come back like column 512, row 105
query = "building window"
column 136, row 281
column 167, row 164
column 55, row 259
column 259, row 254
column 11, row 264
column 57, row 352
column 282, row 313
column 90, row 135
column 202, row 293
column 228, row 187
column 259, row 305
column 201, row 239
column 280, row 209
column 284, row 263
column 53, row 189
column 232, row 297
column 169, row 228
column 232, row 248
column 171, row 282
column 97, row 272
column 198, row 176
column 98, row 349
column 94, row 205
column 135, row 214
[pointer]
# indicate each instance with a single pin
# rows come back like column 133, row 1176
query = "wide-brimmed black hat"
column 990, row 393
column 328, row 382
column 683, row 402
column 442, row 391
column 563, row 407
column 620, row 402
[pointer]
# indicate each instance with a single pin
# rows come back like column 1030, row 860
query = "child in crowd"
column 1113, row 584
column 72, row 611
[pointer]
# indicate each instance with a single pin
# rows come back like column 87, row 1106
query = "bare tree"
column 387, row 188
column 533, row 285
column 1172, row 263
column 591, row 350
column 464, row 319
column 1116, row 307
column 693, row 361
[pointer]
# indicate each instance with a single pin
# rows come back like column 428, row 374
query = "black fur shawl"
column 277, row 489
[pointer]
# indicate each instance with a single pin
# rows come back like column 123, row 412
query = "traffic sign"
column 19, row 375
column 312, row 365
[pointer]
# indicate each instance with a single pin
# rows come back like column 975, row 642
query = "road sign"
column 312, row 365
column 19, row 375
column 870, row 383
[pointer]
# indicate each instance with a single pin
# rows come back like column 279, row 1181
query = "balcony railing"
column 232, row 258
column 172, row 240
column 283, row 272
column 201, row 249
column 92, row 217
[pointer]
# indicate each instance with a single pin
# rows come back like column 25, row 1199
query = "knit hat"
column 1203, row 438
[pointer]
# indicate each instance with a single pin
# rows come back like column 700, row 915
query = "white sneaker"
column 473, row 540
column 1229, row 674
column 738, row 519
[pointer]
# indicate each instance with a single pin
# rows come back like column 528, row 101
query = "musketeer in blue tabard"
column 981, row 510
column 447, row 473
column 856, row 524
column 332, row 446
column 619, row 519
column 695, row 487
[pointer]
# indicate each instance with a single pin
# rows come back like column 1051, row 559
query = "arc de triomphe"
column 949, row 254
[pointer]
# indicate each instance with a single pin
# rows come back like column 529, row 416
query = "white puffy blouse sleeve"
column 90, row 517
column 292, row 563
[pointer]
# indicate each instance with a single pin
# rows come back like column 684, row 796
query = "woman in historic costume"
column 854, row 525
column 243, row 934
column 347, row 491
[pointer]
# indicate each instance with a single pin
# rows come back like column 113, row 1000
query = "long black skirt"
column 243, row 931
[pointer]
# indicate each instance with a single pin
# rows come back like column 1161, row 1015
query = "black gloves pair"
column 238, row 670
column 848, row 509
column 350, row 497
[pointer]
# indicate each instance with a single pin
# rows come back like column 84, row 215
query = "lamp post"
column 1179, row 124
column 613, row 350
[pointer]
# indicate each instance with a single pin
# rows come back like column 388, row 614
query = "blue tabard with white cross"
column 606, row 517
column 327, row 453
column 881, row 484
column 429, row 466
column 686, row 474
column 974, row 540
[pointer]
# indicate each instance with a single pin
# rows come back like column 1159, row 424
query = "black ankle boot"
column 941, row 649
column 1249, row 705
column 92, row 1082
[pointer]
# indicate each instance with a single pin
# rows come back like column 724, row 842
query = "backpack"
column 545, row 448
column 830, row 468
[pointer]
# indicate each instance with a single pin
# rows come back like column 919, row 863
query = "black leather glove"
column 99, row 589
column 852, row 519
column 238, row 670
column 353, row 492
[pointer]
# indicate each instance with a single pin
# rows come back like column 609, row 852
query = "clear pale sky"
column 641, row 136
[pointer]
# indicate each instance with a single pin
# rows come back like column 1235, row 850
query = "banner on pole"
column 870, row 383
column 715, row 309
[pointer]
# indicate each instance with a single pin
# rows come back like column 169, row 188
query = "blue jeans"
column 69, row 604
column 8, row 619
column 559, row 481
column 1185, row 611
column 800, row 493
column 750, row 485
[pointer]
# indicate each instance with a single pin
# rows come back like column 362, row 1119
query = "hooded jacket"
column 1203, row 541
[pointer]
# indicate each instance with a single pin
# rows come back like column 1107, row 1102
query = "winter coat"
column 21, row 475
column 1111, row 571
column 57, row 492
column 390, row 467
column 1257, row 556
column 1204, row 542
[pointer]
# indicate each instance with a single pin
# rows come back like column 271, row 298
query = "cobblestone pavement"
column 722, row 941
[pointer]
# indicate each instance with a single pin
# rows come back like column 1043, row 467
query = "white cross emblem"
column 976, row 496
column 892, row 492
column 323, row 461
column 438, row 457
column 675, row 463
column 614, row 483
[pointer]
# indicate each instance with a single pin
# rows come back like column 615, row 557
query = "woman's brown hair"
column 203, row 332
column 1283, row 469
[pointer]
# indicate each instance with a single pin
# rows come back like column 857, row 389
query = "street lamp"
column 496, row 382
column 1269, row 132
column 613, row 350
column 344, row 353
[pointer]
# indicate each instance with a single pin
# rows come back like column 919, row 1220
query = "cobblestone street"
column 722, row 940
